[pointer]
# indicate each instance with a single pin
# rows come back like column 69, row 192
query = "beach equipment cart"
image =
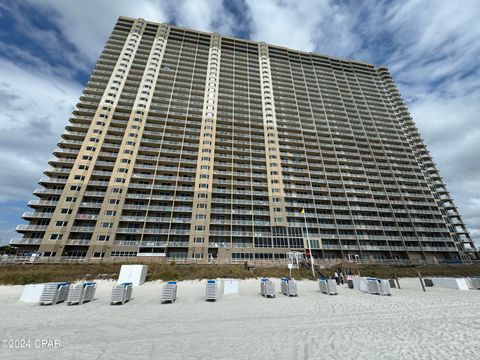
column 169, row 293
column 121, row 293
column 81, row 293
column 373, row 286
column 211, row 290
column 473, row 283
column 327, row 286
column 267, row 288
column 54, row 293
column 385, row 288
column 289, row 287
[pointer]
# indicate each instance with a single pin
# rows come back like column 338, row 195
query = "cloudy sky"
column 49, row 47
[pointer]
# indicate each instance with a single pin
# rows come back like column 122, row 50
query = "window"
column 126, row 161
column 83, row 167
column 114, row 201
column 107, row 225
column 201, row 206
column 200, row 228
column 56, row 237
column 66, row 211
column 75, row 188
column 103, row 237
column 79, row 177
column 61, row 223
column 200, row 216
column 87, row 157
column 110, row 212
column 277, row 220
column 70, row 199
column 120, row 180
column 202, row 196
column 203, row 186
column 117, row 190
column 205, row 167
column 199, row 240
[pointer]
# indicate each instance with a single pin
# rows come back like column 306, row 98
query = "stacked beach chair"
column 81, row 293
column 385, row 287
column 473, row 283
column 211, row 290
column 169, row 293
column 54, row 293
column 121, row 293
column 377, row 286
column 327, row 286
column 289, row 287
column 373, row 286
column 267, row 288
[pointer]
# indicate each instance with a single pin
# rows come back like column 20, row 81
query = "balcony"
column 25, row 241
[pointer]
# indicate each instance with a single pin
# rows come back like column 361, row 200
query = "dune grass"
column 28, row 274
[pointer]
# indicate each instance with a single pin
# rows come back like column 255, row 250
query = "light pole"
column 308, row 241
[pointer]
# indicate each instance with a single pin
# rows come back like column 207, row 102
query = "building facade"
column 194, row 145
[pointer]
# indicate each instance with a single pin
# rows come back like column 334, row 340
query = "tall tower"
column 193, row 145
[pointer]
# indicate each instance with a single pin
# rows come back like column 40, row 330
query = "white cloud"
column 291, row 24
column 35, row 107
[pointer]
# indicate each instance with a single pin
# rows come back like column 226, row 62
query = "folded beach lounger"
column 81, row 293
column 385, row 288
column 327, row 286
column 373, row 286
column 211, row 290
column 473, row 283
column 289, row 287
column 121, row 293
column 169, row 293
column 267, row 288
column 54, row 293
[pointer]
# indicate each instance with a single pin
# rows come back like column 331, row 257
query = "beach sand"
column 411, row 324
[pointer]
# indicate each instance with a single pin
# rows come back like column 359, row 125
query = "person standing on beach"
column 336, row 278
column 342, row 278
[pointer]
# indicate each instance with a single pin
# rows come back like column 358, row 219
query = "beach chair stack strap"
column 211, row 290
column 169, row 293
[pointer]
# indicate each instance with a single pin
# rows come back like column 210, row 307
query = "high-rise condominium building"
column 195, row 145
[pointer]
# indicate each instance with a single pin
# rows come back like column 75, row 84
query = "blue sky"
column 49, row 47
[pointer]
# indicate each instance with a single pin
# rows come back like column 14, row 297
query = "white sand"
column 438, row 324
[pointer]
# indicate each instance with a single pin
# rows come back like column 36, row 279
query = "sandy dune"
column 438, row 324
